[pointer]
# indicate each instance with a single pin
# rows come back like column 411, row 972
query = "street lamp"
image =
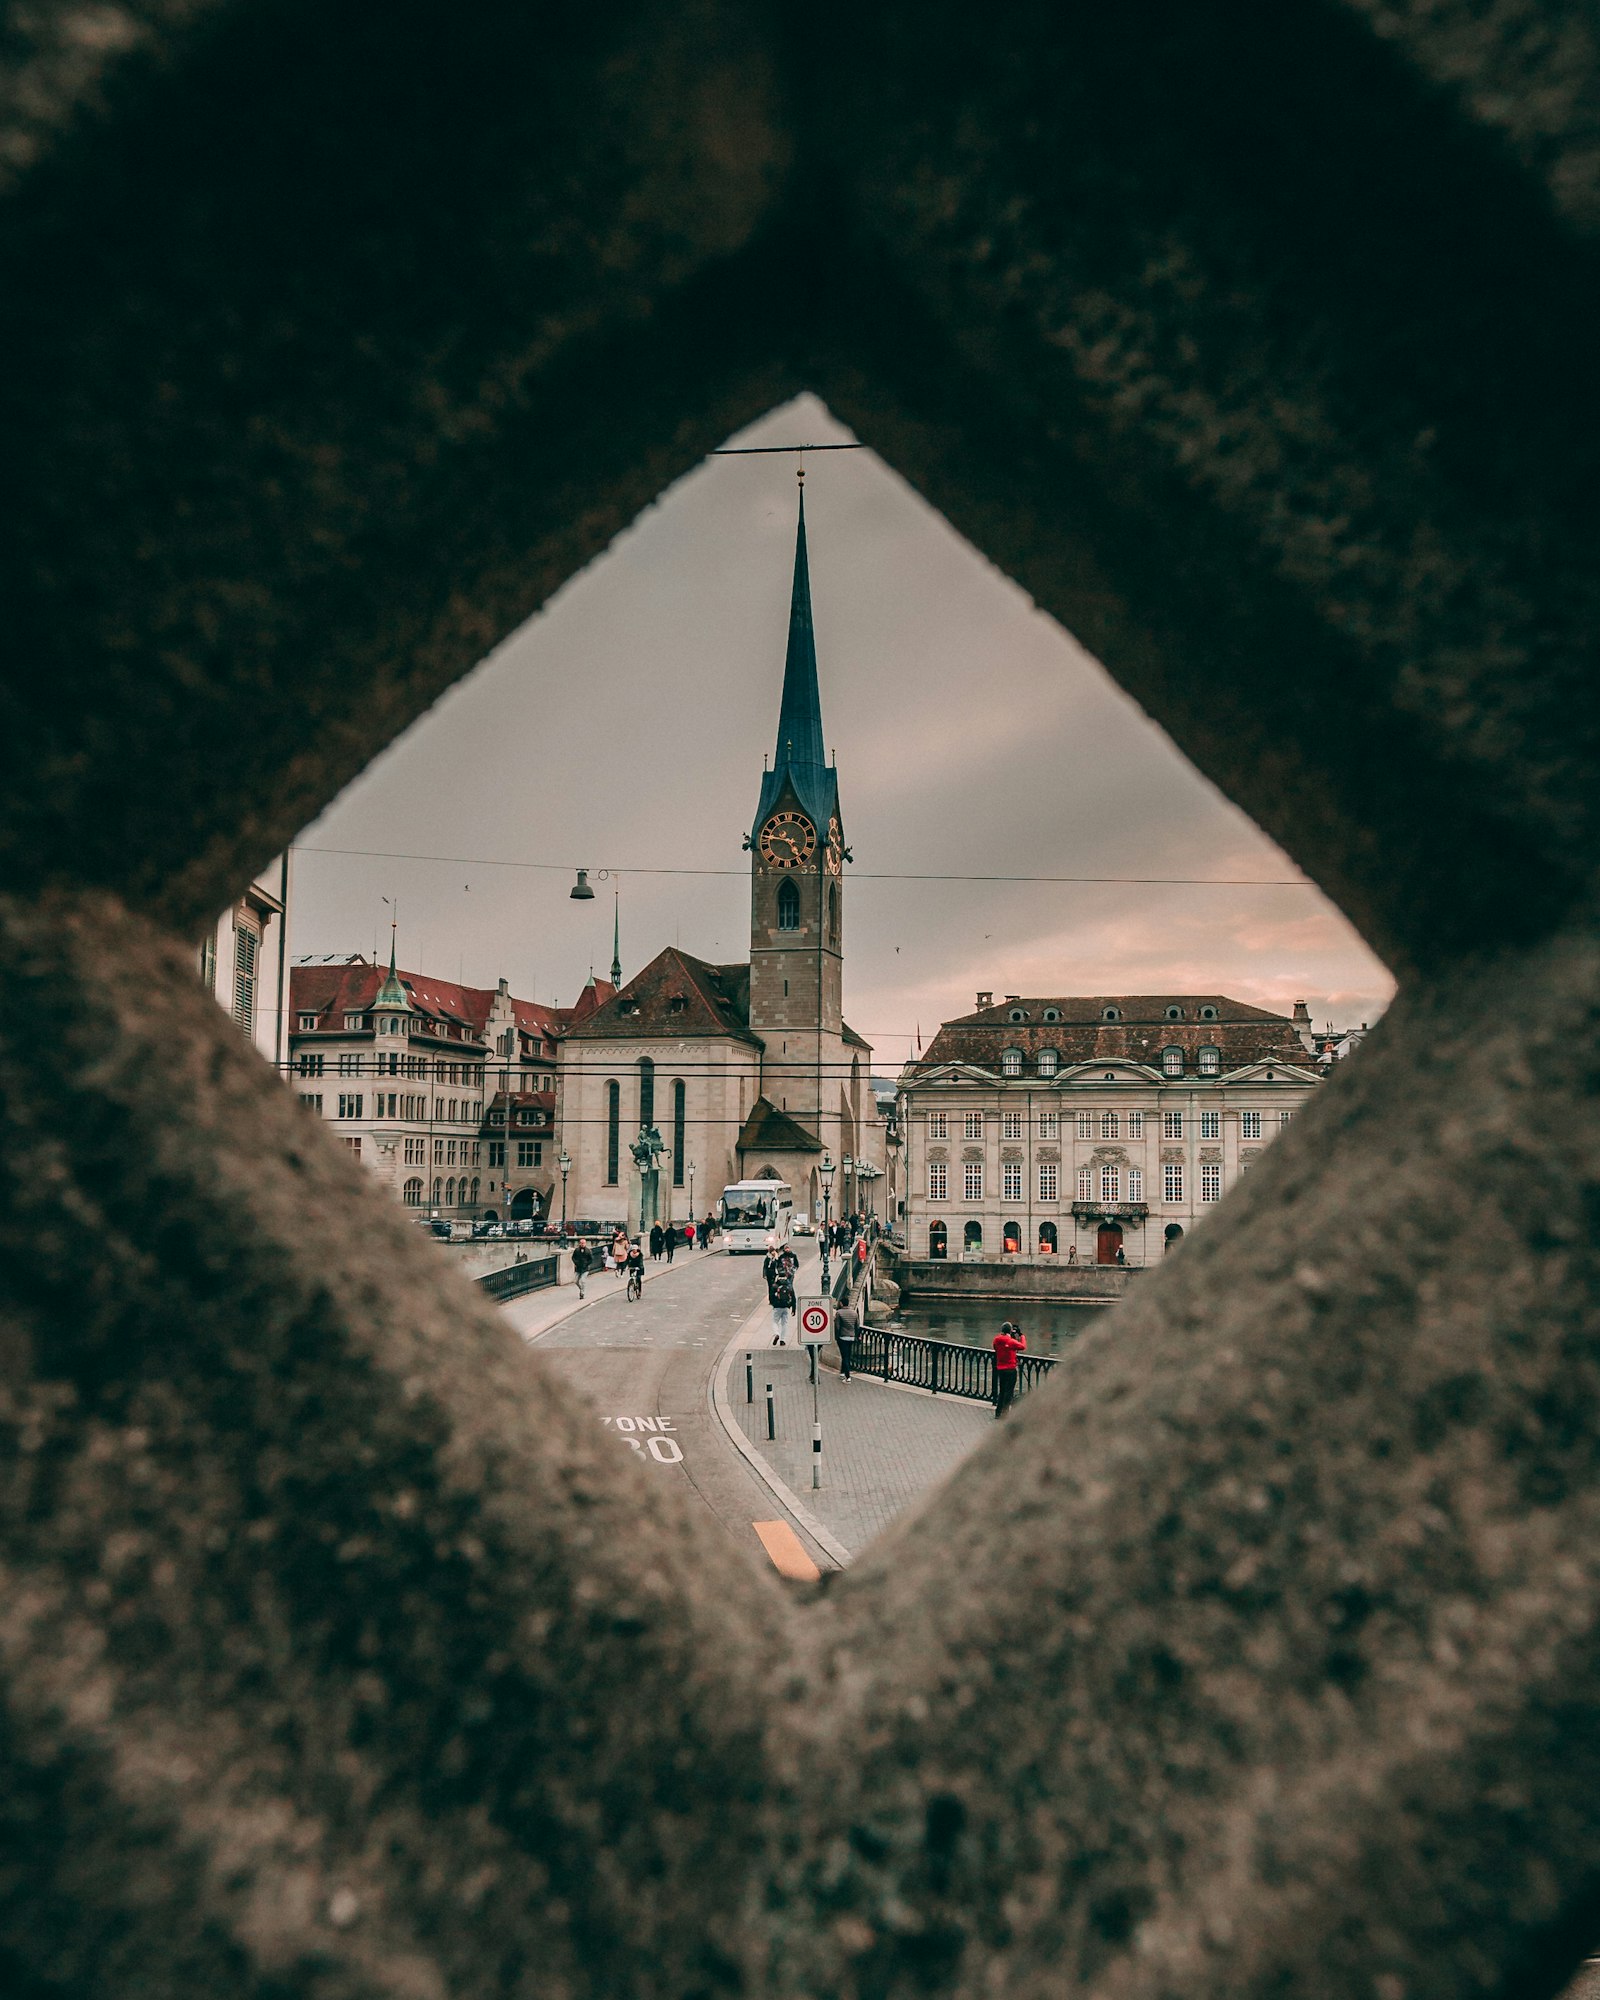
column 565, row 1164
column 847, row 1166
column 690, row 1171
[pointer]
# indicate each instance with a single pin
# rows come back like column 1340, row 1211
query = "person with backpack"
column 1008, row 1344
column 780, row 1296
column 580, row 1264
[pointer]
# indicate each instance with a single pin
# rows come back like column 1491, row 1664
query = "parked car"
column 487, row 1232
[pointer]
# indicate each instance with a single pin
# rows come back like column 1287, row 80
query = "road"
column 646, row 1369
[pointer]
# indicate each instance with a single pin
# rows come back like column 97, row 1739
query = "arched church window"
column 788, row 907
column 647, row 1092
column 833, row 913
column 680, row 1119
column 613, row 1130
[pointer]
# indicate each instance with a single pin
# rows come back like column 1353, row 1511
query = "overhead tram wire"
column 856, row 874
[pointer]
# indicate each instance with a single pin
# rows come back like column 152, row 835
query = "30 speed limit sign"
column 816, row 1322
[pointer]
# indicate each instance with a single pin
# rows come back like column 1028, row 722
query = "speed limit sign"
column 816, row 1322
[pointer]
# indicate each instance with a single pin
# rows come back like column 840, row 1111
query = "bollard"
column 772, row 1416
column 749, row 1378
column 816, row 1456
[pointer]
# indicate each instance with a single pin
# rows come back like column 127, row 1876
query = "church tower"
column 797, row 889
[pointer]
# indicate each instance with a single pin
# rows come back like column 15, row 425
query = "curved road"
column 646, row 1368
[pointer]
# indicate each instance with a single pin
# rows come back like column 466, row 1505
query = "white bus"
column 752, row 1212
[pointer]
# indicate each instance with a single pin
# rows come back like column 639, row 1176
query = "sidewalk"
column 883, row 1447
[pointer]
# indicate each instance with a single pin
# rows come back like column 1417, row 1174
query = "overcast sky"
column 624, row 727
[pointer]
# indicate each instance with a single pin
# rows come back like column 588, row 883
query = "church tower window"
column 833, row 914
column 788, row 907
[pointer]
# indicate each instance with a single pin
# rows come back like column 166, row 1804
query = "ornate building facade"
column 1100, row 1128
column 746, row 1071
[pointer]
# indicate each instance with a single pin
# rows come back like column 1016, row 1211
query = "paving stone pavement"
column 883, row 1447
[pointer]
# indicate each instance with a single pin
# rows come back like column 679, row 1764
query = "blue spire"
column 800, row 757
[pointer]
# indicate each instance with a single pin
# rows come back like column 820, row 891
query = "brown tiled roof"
column 676, row 994
column 769, row 1130
column 332, row 991
column 1141, row 1031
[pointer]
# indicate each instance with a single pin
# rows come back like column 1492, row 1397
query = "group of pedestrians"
column 778, row 1267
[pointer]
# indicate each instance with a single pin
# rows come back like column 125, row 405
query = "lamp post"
column 825, row 1175
column 847, row 1167
column 690, row 1172
column 565, row 1164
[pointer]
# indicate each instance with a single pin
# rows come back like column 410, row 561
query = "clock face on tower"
column 788, row 840
column 835, row 849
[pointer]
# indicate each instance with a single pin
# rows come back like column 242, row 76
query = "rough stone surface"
column 337, row 1657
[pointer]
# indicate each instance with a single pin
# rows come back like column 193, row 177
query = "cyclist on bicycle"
column 635, row 1262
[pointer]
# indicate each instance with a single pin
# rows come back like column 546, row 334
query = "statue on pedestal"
column 646, row 1151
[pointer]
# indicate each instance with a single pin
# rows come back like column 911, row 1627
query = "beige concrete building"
column 1100, row 1129
column 244, row 961
column 747, row 1071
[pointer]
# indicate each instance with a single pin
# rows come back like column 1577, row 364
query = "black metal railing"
column 515, row 1279
column 943, row 1367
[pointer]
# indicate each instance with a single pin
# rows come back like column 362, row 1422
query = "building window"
column 1110, row 1125
column 680, row 1127
column 1283, row 1119
column 1011, row 1062
column 938, row 1240
column 352, row 1024
column 497, row 1152
column 1086, row 1183
column 1172, row 1124
column 1171, row 1181
column 972, row 1179
column 1049, row 1124
column 245, row 947
column 530, row 1153
column 833, row 914
column 1111, row 1184
column 1211, row 1181
column 349, row 1065
column 438, row 1152
column 613, row 1130
column 1135, row 1124
column 450, row 1192
column 1011, row 1180
column 1136, row 1183
column 311, row 1102
column 309, row 1066
column 413, row 1192
column 1052, row 1013
column 1011, row 1124
column 1111, row 1014
column 788, row 907
column 1085, row 1124
column 1208, row 1014
column 1210, row 1061
column 1049, row 1060
column 938, row 1125
column 972, row 1238
column 355, row 1146
column 1047, row 1180
column 415, row 1155
column 647, row 1092
column 972, row 1125
column 1211, row 1124
column 308, row 1021
column 1249, row 1124
column 938, row 1181
column 350, row 1107
column 1174, row 1013
column 1172, row 1062
column 1011, row 1240
column 208, row 963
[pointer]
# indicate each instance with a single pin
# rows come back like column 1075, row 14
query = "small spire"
column 616, row 941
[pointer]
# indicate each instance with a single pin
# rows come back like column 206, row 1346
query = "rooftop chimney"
column 1013, row 996
column 1302, row 1024
column 985, row 1000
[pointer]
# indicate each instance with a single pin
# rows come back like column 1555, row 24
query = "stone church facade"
column 746, row 1070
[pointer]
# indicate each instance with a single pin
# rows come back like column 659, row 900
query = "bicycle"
column 635, row 1282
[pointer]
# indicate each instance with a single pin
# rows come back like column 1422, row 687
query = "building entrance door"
column 1107, row 1243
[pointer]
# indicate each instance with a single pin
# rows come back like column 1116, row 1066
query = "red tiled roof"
column 332, row 991
column 675, row 994
column 1140, row 1032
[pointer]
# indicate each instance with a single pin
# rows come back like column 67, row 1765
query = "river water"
column 1050, row 1326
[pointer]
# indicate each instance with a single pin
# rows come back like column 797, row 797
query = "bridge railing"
column 515, row 1279
column 943, row 1367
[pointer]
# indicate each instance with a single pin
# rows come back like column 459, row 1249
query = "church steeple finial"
column 616, row 940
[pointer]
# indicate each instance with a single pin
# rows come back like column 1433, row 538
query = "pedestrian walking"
column 1008, row 1344
column 688, row 1235
column 580, row 1265
column 669, row 1240
column 655, row 1242
column 780, row 1296
column 1072, row 1253
column 708, row 1229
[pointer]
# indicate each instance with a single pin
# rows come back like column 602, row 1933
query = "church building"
column 747, row 1071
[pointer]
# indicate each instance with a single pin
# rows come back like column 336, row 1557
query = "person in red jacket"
column 1008, row 1344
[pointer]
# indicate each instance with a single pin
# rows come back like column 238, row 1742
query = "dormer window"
column 1210, row 1061
column 1011, row 1063
column 1111, row 1014
column 677, row 1003
column 1172, row 1062
column 1017, row 1014
column 352, row 1023
column 1208, row 1013
column 1174, row 1013
column 307, row 1022
column 1049, row 1061
column 628, row 1007
column 1052, row 1013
